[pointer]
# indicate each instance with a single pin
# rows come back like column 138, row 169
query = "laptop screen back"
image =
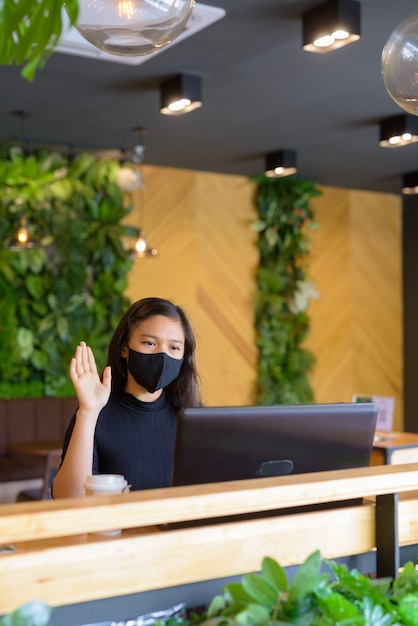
column 215, row 444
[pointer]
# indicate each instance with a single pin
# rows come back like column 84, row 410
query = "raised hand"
column 92, row 393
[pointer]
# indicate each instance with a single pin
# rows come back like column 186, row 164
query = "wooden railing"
column 60, row 561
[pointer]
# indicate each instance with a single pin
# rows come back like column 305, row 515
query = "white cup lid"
column 105, row 481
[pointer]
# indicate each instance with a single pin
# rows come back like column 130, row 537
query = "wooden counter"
column 59, row 561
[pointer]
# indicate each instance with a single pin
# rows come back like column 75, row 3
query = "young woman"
column 126, row 420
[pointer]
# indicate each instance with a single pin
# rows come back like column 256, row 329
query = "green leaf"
column 35, row 613
column 253, row 615
column 216, row 605
column 39, row 360
column 259, row 590
column 307, row 577
column 408, row 609
column 338, row 608
column 25, row 342
column 274, row 574
column 235, row 594
column 35, row 286
column 29, row 32
column 62, row 327
column 375, row 614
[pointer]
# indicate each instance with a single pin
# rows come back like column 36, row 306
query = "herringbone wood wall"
column 207, row 261
column 356, row 265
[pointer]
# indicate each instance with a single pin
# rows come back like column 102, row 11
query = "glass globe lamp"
column 400, row 65
column 132, row 27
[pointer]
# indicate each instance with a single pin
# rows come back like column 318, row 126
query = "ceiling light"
column 181, row 94
column 410, row 183
column 399, row 130
column 331, row 25
column 280, row 163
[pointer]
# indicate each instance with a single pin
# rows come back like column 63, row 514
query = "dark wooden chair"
column 52, row 462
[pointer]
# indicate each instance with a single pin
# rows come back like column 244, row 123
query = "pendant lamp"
column 399, row 65
column 22, row 240
column 132, row 27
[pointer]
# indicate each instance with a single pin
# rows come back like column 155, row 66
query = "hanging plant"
column 284, row 290
column 72, row 287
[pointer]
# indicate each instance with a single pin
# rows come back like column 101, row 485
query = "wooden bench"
column 28, row 420
column 59, row 561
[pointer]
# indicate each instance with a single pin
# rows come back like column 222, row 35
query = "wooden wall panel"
column 200, row 222
column 207, row 261
column 356, row 331
column 169, row 223
column 377, row 295
column 227, row 262
column 330, row 338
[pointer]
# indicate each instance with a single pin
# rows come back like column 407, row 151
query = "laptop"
column 215, row 444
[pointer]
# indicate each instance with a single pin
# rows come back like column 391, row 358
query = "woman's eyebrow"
column 148, row 335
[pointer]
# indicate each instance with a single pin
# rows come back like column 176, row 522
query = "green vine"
column 72, row 287
column 282, row 323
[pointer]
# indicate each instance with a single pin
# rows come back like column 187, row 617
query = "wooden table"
column 393, row 448
column 37, row 448
column 51, row 451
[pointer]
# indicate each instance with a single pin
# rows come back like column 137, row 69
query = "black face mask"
column 153, row 371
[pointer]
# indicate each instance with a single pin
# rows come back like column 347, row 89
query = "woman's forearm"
column 78, row 461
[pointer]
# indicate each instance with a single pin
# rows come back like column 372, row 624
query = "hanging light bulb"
column 132, row 27
column 22, row 240
column 141, row 247
column 399, row 65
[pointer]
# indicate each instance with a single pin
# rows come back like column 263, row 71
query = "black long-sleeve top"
column 135, row 439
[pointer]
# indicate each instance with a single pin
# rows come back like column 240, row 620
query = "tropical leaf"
column 29, row 31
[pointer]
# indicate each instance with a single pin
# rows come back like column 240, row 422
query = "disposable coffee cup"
column 106, row 485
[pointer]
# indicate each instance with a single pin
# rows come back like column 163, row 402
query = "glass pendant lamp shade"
column 400, row 63
column 129, row 179
column 132, row 27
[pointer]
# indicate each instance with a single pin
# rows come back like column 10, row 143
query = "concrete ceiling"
column 261, row 92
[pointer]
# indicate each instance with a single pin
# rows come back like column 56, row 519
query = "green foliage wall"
column 72, row 287
column 282, row 323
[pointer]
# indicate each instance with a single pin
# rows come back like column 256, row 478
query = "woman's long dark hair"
column 184, row 390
